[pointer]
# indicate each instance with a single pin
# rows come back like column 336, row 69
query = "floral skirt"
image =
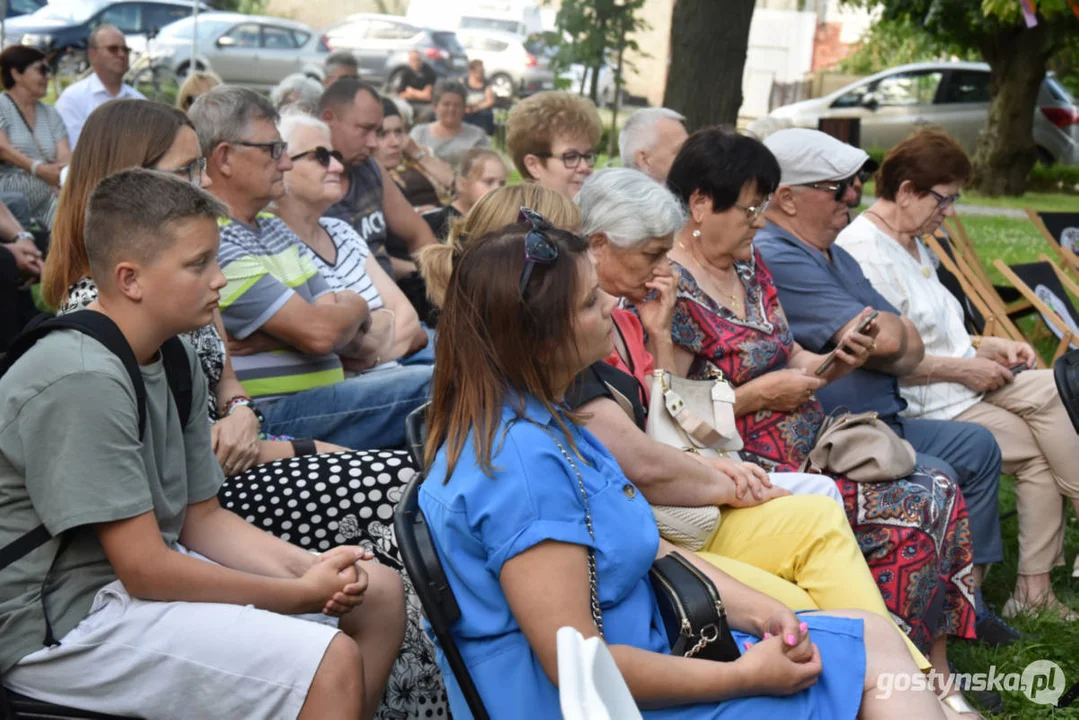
column 915, row 536
column 321, row 501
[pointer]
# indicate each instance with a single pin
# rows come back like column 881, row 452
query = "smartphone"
column 1016, row 369
column 862, row 327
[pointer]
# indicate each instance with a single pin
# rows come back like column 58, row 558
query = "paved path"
column 963, row 209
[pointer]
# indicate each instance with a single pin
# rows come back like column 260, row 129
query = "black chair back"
column 425, row 569
column 1042, row 279
column 1066, row 375
column 1064, row 227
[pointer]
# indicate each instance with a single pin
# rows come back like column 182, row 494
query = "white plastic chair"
column 590, row 687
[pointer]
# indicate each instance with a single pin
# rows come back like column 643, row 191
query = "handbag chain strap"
column 593, row 578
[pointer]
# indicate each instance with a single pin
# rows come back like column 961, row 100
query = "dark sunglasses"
column 41, row 68
column 322, row 156
column 275, row 148
column 538, row 249
column 838, row 188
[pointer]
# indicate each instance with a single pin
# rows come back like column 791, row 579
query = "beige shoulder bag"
column 860, row 447
column 695, row 416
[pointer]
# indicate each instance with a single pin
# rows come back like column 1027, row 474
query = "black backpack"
column 105, row 331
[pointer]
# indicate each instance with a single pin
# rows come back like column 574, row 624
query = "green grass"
column 1042, row 201
column 1016, row 241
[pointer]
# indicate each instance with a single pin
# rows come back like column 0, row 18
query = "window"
column 275, row 38
column 159, row 16
column 185, row 29
column 301, row 38
column 125, row 16
column 23, row 7
column 855, row 97
column 244, row 36
column 967, row 86
column 907, row 89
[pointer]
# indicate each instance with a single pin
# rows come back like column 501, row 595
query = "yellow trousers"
column 801, row 551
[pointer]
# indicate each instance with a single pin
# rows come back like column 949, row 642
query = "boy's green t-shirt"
column 70, row 457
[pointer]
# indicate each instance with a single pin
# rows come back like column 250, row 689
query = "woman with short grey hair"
column 630, row 222
column 449, row 136
column 297, row 91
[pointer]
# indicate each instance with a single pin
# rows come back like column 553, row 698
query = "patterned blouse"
column 745, row 349
column 206, row 341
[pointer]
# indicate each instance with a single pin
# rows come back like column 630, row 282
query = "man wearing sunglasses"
column 288, row 329
column 824, row 292
column 109, row 54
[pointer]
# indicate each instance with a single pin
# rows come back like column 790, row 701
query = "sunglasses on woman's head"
column 538, row 248
column 322, row 156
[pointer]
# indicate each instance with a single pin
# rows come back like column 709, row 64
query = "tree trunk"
column 709, row 40
column 1006, row 152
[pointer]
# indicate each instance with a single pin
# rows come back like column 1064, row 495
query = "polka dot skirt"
column 321, row 501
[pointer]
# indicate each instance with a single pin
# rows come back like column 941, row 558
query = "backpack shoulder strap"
column 178, row 372
column 99, row 327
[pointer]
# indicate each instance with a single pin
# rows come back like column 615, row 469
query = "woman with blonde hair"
column 197, row 83
column 495, row 210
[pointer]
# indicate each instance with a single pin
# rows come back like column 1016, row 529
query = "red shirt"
column 641, row 361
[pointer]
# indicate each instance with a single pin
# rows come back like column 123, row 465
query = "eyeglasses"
column 41, row 68
column 192, row 171
column 839, row 189
column 322, row 156
column 538, row 249
column 944, row 201
column 275, row 148
column 572, row 159
column 115, row 49
column 754, row 211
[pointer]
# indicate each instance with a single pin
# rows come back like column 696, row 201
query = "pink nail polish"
column 803, row 627
column 767, row 635
column 791, row 640
column 745, row 645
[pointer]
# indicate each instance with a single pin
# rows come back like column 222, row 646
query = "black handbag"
column 689, row 603
column 692, row 611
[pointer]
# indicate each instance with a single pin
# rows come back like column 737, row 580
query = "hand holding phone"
column 1016, row 369
column 829, row 360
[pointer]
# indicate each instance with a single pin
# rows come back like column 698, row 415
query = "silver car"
column 514, row 68
column 952, row 96
column 253, row 50
column 381, row 44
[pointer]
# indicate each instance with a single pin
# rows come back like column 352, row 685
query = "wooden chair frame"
column 1065, row 256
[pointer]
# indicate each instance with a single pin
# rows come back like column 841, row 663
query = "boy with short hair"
column 164, row 604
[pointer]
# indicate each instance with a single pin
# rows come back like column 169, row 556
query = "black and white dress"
column 39, row 144
column 319, row 502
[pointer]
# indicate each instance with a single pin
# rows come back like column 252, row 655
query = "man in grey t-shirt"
column 373, row 204
column 162, row 598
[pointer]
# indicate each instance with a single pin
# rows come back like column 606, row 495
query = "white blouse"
column 913, row 288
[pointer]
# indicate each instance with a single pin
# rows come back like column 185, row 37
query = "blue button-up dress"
column 479, row 522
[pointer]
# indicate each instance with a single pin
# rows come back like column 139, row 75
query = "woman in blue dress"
column 516, row 527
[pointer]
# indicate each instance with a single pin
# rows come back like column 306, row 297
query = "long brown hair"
column 118, row 135
column 493, row 343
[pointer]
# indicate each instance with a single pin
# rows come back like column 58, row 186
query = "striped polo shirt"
column 266, row 265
